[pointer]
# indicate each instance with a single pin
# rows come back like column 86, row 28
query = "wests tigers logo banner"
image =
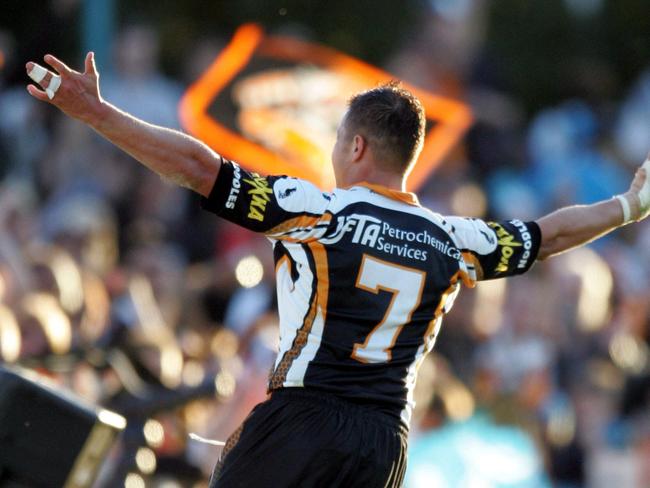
column 273, row 103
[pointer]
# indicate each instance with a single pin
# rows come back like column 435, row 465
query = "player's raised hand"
column 636, row 201
column 76, row 94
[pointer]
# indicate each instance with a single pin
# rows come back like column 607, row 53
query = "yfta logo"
column 506, row 242
column 364, row 228
column 260, row 195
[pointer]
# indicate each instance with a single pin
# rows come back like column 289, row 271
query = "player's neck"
column 389, row 180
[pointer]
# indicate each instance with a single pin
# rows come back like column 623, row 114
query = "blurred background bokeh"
column 115, row 285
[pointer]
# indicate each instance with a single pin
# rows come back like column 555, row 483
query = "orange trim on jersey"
column 388, row 350
column 299, row 342
column 441, row 304
column 402, row 196
column 468, row 281
column 231, row 442
column 302, row 221
column 322, row 275
column 280, row 262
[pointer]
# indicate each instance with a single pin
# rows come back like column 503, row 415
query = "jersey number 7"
column 406, row 285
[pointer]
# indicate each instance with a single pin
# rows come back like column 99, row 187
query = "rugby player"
column 364, row 276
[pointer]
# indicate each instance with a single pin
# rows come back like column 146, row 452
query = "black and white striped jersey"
column 364, row 276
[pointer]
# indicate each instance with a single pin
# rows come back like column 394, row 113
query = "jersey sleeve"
column 280, row 207
column 496, row 249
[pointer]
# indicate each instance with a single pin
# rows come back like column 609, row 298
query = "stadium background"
column 115, row 285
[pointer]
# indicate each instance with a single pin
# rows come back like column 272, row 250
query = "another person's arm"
column 172, row 154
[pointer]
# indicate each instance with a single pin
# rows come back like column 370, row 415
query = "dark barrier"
column 47, row 438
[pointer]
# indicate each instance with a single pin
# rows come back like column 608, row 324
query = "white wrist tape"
column 37, row 73
column 625, row 205
column 644, row 193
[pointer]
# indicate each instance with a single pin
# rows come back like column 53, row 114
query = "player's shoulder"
column 298, row 195
column 472, row 234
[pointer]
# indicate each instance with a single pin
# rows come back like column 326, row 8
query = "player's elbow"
column 554, row 245
column 201, row 173
column 550, row 239
column 551, row 243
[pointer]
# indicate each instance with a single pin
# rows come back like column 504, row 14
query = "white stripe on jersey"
column 293, row 305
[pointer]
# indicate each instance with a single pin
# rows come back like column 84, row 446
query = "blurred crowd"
column 115, row 284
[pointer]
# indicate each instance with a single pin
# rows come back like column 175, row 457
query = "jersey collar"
column 402, row 196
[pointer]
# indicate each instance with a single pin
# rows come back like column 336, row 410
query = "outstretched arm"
column 574, row 226
column 170, row 153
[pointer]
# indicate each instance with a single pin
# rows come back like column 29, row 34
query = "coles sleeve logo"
column 259, row 192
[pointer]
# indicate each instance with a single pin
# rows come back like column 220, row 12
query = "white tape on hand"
column 644, row 193
column 37, row 73
column 54, row 85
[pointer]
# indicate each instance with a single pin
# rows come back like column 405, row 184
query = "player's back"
column 364, row 276
column 378, row 280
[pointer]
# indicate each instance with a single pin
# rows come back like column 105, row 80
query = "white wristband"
column 644, row 193
column 625, row 205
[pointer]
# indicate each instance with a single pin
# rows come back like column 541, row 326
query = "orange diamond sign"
column 280, row 99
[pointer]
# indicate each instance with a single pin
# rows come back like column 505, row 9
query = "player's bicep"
column 278, row 206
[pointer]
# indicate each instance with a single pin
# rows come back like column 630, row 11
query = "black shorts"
column 304, row 438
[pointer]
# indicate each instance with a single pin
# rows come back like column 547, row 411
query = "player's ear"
column 359, row 145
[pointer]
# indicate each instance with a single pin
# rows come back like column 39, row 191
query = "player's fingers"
column 58, row 65
column 639, row 179
column 36, row 93
column 36, row 72
column 48, row 80
column 39, row 74
column 91, row 68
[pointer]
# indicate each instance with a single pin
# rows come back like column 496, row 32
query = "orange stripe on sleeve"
column 303, row 221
